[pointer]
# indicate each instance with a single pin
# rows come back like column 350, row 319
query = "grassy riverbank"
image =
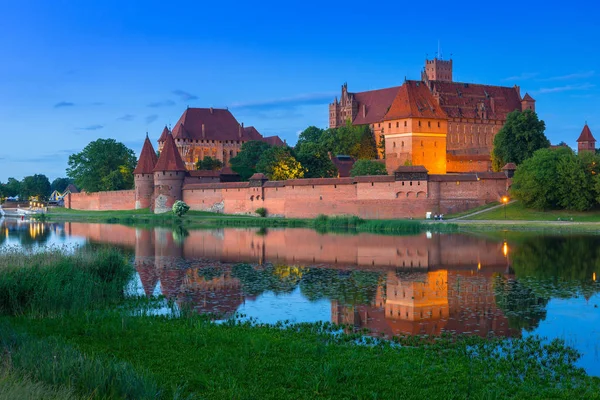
column 54, row 343
column 517, row 212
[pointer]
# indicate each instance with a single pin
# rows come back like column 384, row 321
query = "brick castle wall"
column 99, row 201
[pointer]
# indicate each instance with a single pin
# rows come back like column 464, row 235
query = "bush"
column 261, row 211
column 180, row 208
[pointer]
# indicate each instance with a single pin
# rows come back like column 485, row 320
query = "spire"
column 170, row 159
column 163, row 135
column 586, row 135
column 147, row 159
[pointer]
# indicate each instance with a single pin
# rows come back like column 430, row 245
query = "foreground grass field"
column 517, row 212
column 62, row 336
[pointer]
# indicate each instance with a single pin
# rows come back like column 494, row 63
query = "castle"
column 443, row 125
column 211, row 132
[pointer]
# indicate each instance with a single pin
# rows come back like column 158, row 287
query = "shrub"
column 180, row 208
column 261, row 211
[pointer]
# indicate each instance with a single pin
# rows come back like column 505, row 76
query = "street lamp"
column 505, row 201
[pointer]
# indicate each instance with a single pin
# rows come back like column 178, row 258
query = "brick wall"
column 99, row 201
column 367, row 197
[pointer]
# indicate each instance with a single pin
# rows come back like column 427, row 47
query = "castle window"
column 434, row 144
column 419, row 123
column 390, row 125
column 421, row 143
column 379, row 125
column 404, row 123
column 397, row 124
column 429, row 124
column 411, row 183
column 394, row 144
column 403, row 143
column 438, row 124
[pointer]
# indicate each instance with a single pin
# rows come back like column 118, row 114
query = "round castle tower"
column 144, row 176
column 169, row 174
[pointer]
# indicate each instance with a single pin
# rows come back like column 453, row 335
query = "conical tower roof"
column 163, row 135
column 170, row 159
column 148, row 159
column 527, row 97
column 586, row 135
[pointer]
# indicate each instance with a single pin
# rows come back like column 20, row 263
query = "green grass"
column 472, row 210
column 517, row 212
column 54, row 282
column 243, row 361
column 13, row 386
column 89, row 342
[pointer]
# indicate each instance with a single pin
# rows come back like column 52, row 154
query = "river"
column 501, row 284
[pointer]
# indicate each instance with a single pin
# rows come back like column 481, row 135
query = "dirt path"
column 481, row 211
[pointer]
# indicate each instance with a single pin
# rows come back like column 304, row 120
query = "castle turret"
column 586, row 141
column 437, row 70
column 144, row 176
column 528, row 103
column 169, row 174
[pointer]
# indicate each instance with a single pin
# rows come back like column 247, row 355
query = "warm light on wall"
column 594, row 277
column 505, row 249
column 478, row 266
column 505, row 199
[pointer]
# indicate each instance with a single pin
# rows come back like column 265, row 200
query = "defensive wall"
column 101, row 201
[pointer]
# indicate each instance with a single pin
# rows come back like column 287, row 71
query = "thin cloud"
column 286, row 102
column 578, row 75
column 566, row 88
column 184, row 96
column 92, row 127
column 151, row 118
column 126, row 118
column 522, row 77
column 165, row 103
column 62, row 104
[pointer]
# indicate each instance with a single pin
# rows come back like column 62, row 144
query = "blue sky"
column 74, row 71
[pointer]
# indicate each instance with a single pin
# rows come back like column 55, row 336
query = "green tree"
column 60, row 184
column 104, row 164
column 12, row 187
column 312, row 134
column 521, row 135
column 278, row 163
column 245, row 162
column 557, row 178
column 316, row 161
column 209, row 164
column 368, row 167
column 36, row 185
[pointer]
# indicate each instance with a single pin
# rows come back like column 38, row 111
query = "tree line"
column 37, row 185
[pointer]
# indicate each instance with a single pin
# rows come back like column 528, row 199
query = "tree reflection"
column 255, row 281
column 519, row 303
column 347, row 287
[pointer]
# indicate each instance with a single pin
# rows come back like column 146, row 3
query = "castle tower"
column 163, row 138
column 169, row 174
column 437, row 70
column 528, row 103
column 144, row 176
column 586, row 141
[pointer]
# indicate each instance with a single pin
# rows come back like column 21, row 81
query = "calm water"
column 499, row 284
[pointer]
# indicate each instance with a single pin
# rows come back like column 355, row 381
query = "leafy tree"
column 279, row 164
column 519, row 138
column 312, row 134
column 12, row 187
column 367, row 167
column 180, row 208
column 104, row 164
column 316, row 161
column 36, row 185
column 245, row 162
column 60, row 184
column 558, row 178
column 209, row 164
column 356, row 141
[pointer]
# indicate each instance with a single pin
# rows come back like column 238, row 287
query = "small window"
column 394, row 144
column 419, row 123
column 403, row 143
column 379, row 125
column 397, row 124
column 421, row 143
column 404, row 123
column 390, row 125
column 429, row 124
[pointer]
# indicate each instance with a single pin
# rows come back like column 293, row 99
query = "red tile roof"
column 163, row 135
column 527, row 97
column 452, row 177
column 219, row 124
column 376, row 104
column 411, row 168
column 252, row 133
column 343, row 164
column 414, row 99
column 461, row 100
column 147, row 159
column 509, row 167
column 274, row 141
column 170, row 159
column 586, row 135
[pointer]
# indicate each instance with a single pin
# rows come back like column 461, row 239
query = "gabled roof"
column 163, row 135
column 586, row 135
column 375, row 103
column 72, row 188
column 461, row 100
column 219, row 124
column 343, row 164
column 147, row 159
column 414, row 99
column 527, row 97
column 252, row 133
column 273, row 141
column 170, row 159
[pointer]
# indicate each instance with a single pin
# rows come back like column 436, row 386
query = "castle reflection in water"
column 427, row 283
